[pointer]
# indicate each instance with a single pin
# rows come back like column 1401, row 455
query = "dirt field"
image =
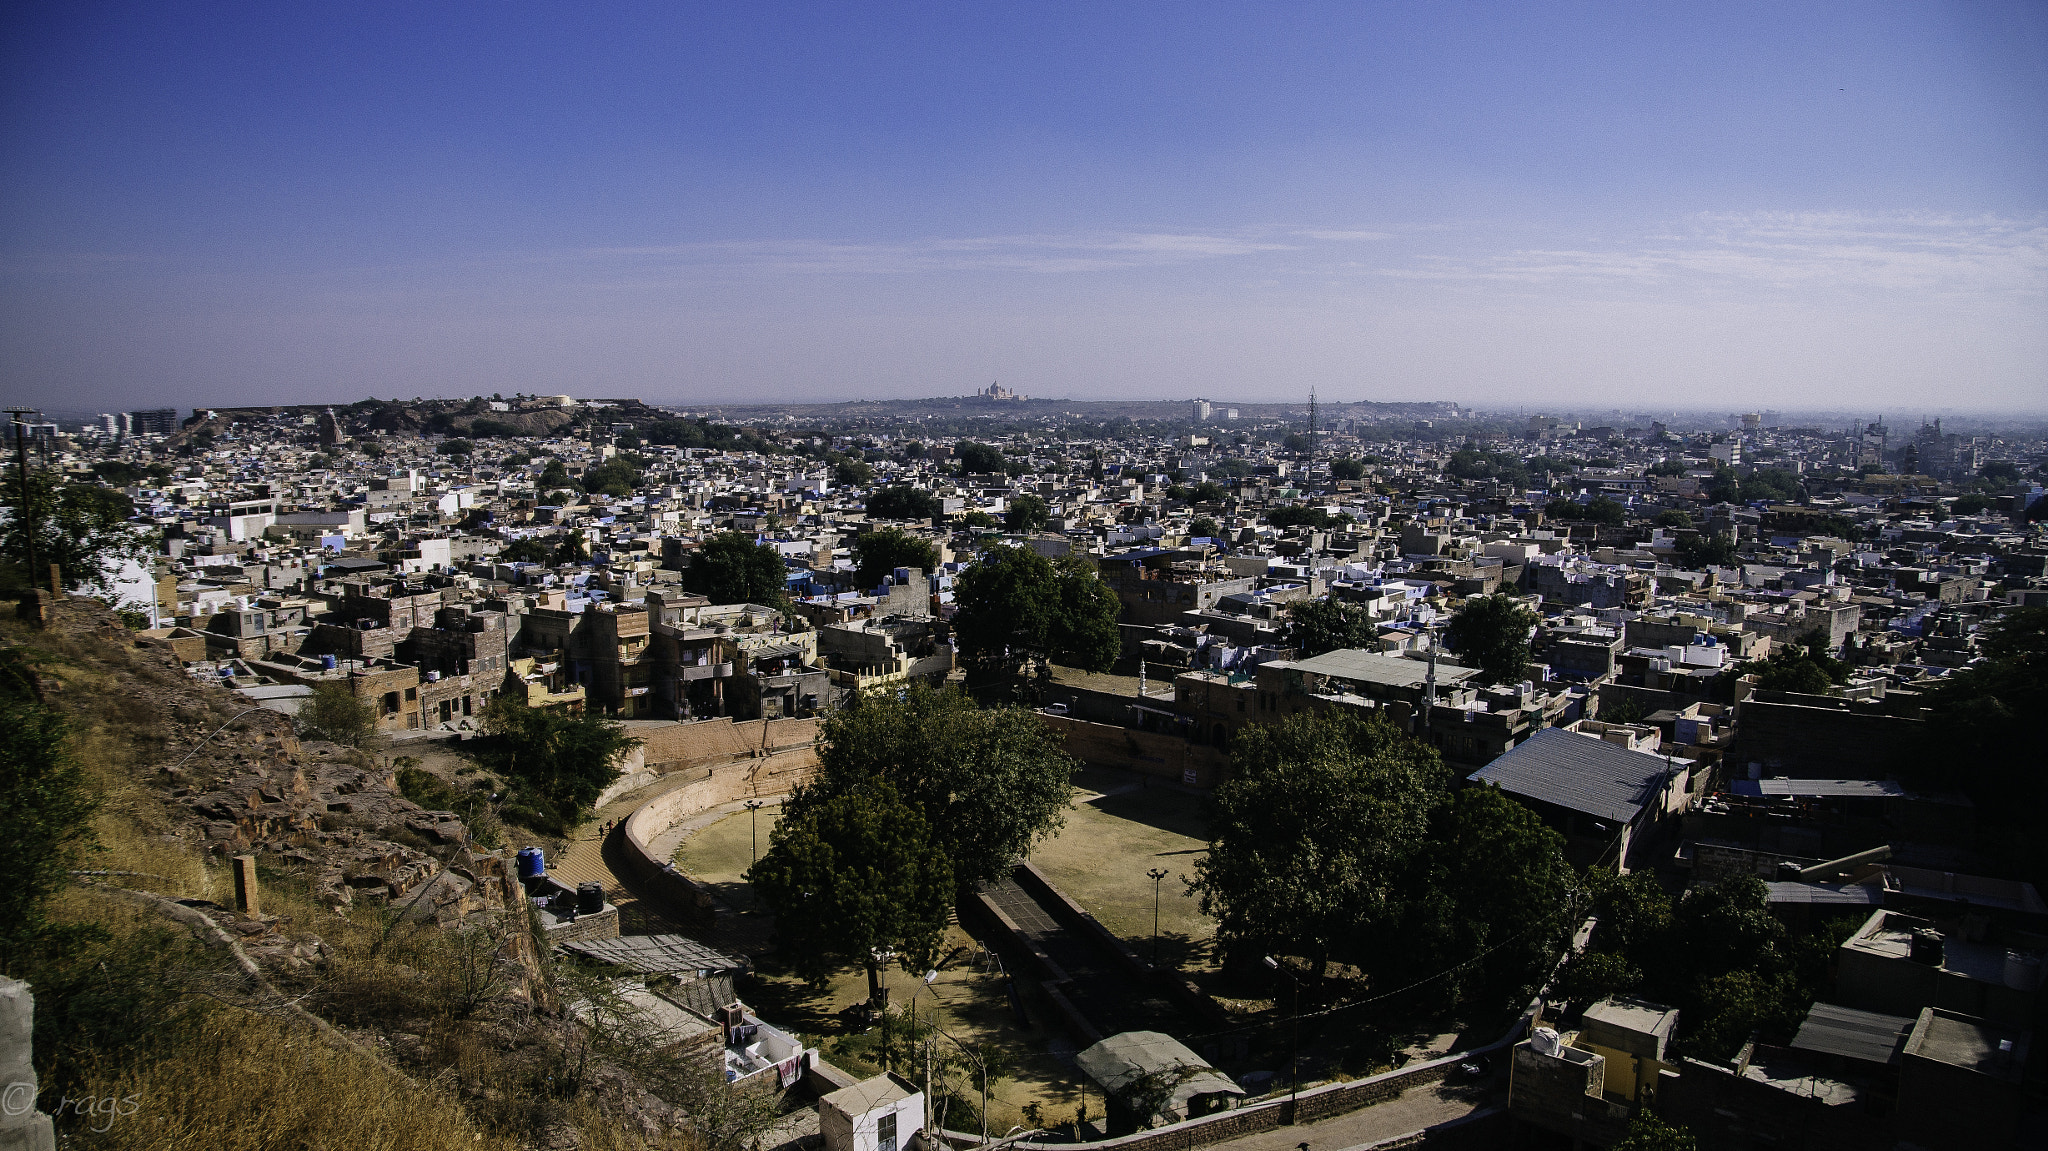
column 1116, row 831
column 1119, row 828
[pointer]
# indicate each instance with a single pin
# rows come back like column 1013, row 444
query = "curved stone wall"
column 656, row 878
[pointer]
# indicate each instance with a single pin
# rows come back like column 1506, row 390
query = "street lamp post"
column 1156, row 874
column 1293, row 1040
column 754, row 825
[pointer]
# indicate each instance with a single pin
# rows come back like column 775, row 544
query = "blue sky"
column 1700, row 205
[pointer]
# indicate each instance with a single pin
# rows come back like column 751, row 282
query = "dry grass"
column 208, row 1065
column 1117, row 830
column 238, row 1082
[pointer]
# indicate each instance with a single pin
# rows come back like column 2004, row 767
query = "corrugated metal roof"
column 1578, row 773
column 1856, row 894
column 1864, row 1036
column 1849, row 788
column 1118, row 1060
column 656, row 954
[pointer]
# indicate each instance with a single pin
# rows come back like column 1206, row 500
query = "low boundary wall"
column 1075, row 918
column 655, row 878
column 1480, row 1129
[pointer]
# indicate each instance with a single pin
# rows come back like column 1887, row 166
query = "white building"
column 879, row 1114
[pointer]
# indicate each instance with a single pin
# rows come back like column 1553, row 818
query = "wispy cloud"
column 1902, row 252
column 1342, row 235
column 1076, row 253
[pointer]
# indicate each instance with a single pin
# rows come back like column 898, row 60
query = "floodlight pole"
column 1156, row 874
column 754, row 822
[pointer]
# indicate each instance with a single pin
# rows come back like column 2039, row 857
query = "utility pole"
column 1293, row 1040
column 753, row 808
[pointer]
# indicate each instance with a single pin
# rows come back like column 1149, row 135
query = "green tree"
column 454, row 448
column 1982, row 739
column 1014, row 602
column 571, row 548
column 338, row 715
column 1205, row 528
column 1313, row 836
column 1498, row 888
column 1634, row 912
column 1491, row 633
column 1329, row 624
column 853, row 474
column 1698, row 551
column 732, row 568
column 1803, row 666
column 1347, row 469
column 46, row 814
column 1591, row 976
column 1296, row 515
column 552, row 476
column 558, row 764
column 903, row 502
column 989, row 782
column 1647, row 1132
column 852, row 876
column 614, row 477
column 526, row 549
column 1601, row 510
column 877, row 554
column 1673, row 519
column 80, row 527
column 978, row 458
column 1027, row 513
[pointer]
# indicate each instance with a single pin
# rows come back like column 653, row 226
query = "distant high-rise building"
column 1202, row 411
column 154, row 422
column 329, row 428
column 108, row 425
column 1870, row 445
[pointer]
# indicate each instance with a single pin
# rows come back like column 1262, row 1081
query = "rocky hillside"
column 404, row 951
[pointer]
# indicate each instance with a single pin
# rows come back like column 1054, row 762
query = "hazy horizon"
column 1827, row 208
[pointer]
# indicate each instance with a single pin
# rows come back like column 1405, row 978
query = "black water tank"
column 589, row 898
column 1925, row 947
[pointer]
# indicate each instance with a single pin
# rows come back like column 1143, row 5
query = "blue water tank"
column 532, row 864
column 327, row 662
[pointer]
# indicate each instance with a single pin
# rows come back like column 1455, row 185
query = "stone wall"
column 657, row 878
column 1153, row 753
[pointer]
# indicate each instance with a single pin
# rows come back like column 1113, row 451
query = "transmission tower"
column 1311, row 427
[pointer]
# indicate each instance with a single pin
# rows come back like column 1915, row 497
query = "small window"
column 885, row 1132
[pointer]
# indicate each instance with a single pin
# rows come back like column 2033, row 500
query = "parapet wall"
column 653, row 876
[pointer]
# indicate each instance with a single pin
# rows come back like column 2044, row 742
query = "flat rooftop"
column 1969, row 1043
column 1372, row 667
column 1892, row 938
